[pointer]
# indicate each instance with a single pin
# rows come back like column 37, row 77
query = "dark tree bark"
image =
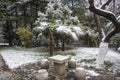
column 98, row 24
column 72, row 2
column 51, row 48
column 16, row 21
column 9, row 28
column 63, row 42
column 97, row 19
column 110, row 16
column 24, row 13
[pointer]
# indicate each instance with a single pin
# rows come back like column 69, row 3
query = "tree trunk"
column 31, row 7
column 51, row 48
column 110, row 16
column 72, row 2
column 63, row 42
column 16, row 14
column 36, row 8
column 9, row 34
column 57, row 43
column 102, row 53
column 98, row 23
column 24, row 13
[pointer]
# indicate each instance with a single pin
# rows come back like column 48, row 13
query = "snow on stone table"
column 15, row 58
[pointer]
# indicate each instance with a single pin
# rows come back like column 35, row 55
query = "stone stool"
column 42, row 75
column 80, row 74
column 72, row 64
column 44, row 64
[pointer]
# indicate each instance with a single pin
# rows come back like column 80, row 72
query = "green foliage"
column 115, row 41
column 88, row 60
column 108, row 64
column 25, row 36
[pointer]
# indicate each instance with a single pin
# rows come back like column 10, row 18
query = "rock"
column 44, row 64
column 72, row 64
column 42, row 75
column 6, row 76
column 80, row 73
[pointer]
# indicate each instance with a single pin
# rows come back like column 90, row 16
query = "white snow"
column 92, row 53
column 74, row 36
column 15, row 58
column 38, row 29
column 92, row 73
column 63, row 29
column 4, row 43
column 44, row 23
column 118, row 18
column 74, row 32
column 91, row 32
column 78, row 30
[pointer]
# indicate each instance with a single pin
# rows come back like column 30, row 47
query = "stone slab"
column 59, row 59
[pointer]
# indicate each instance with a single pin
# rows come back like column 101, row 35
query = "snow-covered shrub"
column 40, row 41
column 91, row 37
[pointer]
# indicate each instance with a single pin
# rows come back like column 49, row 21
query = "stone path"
column 5, row 72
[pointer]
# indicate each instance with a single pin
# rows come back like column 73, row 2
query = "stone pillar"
column 59, row 65
column 80, row 74
column 60, row 69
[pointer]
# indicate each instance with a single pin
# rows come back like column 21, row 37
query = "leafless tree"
column 110, row 16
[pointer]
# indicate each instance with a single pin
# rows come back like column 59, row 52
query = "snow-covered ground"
column 4, row 44
column 92, row 53
column 15, row 58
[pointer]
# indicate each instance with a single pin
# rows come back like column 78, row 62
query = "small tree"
column 58, row 17
column 44, row 26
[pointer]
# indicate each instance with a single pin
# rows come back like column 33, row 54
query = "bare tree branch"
column 109, row 15
column 105, row 4
column 97, row 19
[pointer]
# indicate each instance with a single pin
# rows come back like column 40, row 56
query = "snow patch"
column 15, row 58
column 92, row 73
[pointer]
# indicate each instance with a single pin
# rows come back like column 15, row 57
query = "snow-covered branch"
column 109, row 15
column 98, row 22
column 105, row 4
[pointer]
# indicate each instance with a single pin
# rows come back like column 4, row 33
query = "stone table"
column 59, row 62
